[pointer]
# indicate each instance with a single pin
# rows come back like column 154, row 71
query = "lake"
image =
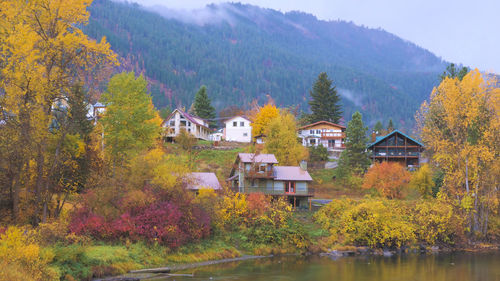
column 429, row 267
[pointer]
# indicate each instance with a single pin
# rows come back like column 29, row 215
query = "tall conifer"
column 325, row 102
column 202, row 106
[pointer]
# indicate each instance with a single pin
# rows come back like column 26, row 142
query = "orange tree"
column 387, row 178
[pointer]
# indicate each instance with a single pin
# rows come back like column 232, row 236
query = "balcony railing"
column 397, row 154
column 332, row 135
column 272, row 191
column 259, row 174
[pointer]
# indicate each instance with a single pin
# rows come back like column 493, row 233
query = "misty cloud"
column 349, row 95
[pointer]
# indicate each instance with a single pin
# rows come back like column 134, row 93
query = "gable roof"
column 228, row 120
column 291, row 173
column 257, row 158
column 186, row 115
column 322, row 122
column 203, row 180
column 381, row 138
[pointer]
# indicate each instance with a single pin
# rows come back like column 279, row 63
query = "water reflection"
column 442, row 267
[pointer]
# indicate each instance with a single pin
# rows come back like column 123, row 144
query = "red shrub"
column 84, row 222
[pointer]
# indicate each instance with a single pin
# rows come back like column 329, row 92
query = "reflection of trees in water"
column 439, row 267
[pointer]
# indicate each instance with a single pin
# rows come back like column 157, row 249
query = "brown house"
column 396, row 147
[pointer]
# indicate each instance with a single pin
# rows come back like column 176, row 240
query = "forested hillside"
column 242, row 52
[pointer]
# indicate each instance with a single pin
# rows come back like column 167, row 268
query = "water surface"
column 430, row 267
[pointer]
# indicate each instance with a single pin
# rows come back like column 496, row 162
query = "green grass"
column 220, row 161
column 83, row 262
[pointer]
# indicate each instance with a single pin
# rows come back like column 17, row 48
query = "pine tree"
column 202, row 106
column 325, row 101
column 355, row 159
column 390, row 126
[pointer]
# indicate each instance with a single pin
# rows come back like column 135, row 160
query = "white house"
column 95, row 111
column 217, row 135
column 324, row 133
column 178, row 120
column 238, row 129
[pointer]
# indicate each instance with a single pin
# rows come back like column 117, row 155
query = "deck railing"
column 272, row 191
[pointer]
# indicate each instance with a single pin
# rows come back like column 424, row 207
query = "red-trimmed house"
column 324, row 133
column 258, row 173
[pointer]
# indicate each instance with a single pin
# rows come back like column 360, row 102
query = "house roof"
column 291, row 173
column 203, row 180
column 322, row 122
column 257, row 158
column 188, row 116
column 381, row 138
column 228, row 120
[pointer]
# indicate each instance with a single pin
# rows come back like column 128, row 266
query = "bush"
column 421, row 180
column 163, row 222
column 23, row 258
column 388, row 178
column 391, row 223
column 318, row 153
column 436, row 222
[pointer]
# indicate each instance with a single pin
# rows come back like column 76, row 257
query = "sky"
column 464, row 32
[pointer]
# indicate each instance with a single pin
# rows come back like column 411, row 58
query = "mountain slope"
column 244, row 52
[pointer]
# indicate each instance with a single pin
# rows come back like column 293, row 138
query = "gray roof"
column 257, row 158
column 203, row 180
column 291, row 173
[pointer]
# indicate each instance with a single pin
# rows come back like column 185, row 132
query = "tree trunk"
column 39, row 184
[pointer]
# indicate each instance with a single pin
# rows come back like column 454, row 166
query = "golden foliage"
column 460, row 127
column 282, row 140
column 388, row 178
column 263, row 118
column 421, row 180
column 19, row 251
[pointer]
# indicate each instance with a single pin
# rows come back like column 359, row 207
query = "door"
column 290, row 187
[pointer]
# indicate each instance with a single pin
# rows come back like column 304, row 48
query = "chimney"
column 374, row 136
column 303, row 165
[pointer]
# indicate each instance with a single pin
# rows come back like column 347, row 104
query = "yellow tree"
column 263, row 118
column 282, row 140
column 460, row 126
column 42, row 54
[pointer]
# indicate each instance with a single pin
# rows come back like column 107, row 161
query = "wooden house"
column 396, row 147
column 258, row 173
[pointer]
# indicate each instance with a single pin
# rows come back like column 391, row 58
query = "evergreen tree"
column 325, row 101
column 454, row 72
column 390, row 126
column 355, row 158
column 202, row 106
column 378, row 128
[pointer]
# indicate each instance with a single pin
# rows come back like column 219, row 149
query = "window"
column 189, row 124
column 318, row 132
column 242, row 124
column 262, row 168
column 245, row 134
column 235, row 124
column 172, row 123
column 312, row 141
column 311, row 132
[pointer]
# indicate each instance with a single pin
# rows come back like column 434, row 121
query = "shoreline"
column 159, row 272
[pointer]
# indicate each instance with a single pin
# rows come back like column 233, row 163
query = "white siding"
column 242, row 132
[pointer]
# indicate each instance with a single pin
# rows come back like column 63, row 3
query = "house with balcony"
column 179, row 120
column 396, row 147
column 324, row 133
column 197, row 181
column 259, row 173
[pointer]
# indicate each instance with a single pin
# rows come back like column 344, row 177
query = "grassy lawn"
column 326, row 187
